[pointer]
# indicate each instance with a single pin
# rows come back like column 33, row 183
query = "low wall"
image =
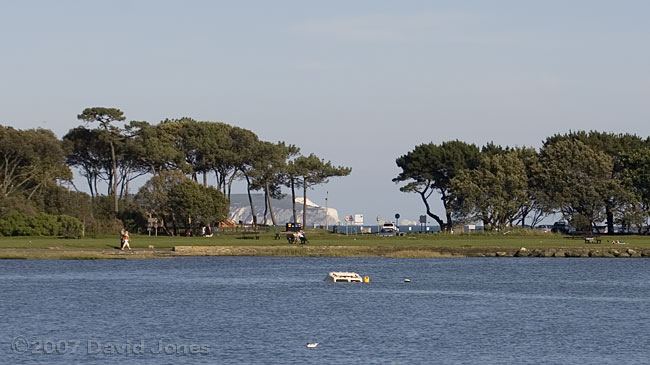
column 404, row 252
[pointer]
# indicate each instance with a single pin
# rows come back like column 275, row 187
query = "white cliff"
column 240, row 210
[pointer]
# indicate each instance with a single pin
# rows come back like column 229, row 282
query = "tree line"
column 587, row 177
column 179, row 155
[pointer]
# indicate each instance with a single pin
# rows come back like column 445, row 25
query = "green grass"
column 324, row 238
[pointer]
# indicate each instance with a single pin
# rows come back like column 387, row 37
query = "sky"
column 358, row 83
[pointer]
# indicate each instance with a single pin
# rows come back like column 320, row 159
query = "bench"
column 250, row 234
column 592, row 239
column 589, row 237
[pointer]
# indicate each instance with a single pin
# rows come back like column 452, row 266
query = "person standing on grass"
column 301, row 236
column 122, row 231
column 125, row 241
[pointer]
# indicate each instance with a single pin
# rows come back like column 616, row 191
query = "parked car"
column 544, row 227
column 389, row 228
column 562, row 227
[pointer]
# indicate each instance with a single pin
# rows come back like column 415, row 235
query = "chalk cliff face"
column 240, row 210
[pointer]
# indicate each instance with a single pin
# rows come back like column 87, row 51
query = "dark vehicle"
column 562, row 227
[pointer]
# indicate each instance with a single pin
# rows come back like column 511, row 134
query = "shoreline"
column 323, row 251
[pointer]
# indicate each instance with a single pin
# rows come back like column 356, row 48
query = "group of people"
column 294, row 237
column 124, row 239
column 206, row 231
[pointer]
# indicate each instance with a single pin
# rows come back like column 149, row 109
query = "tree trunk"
column 114, row 177
column 293, row 199
column 304, row 204
column 268, row 196
column 250, row 199
column 205, row 179
column 90, row 186
column 449, row 224
column 266, row 203
column 230, row 181
column 610, row 220
column 429, row 213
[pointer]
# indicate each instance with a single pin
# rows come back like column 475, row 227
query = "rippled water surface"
column 220, row 310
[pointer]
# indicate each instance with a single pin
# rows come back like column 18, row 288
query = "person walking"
column 122, row 237
column 125, row 241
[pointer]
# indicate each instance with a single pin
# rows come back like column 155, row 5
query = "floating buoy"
column 407, row 280
column 366, row 279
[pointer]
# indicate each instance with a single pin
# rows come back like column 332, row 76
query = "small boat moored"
column 342, row 276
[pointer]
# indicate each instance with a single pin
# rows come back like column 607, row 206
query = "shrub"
column 17, row 224
column 14, row 223
column 100, row 227
column 70, row 227
column 43, row 225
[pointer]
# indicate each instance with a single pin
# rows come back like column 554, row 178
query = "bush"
column 18, row 204
column 100, row 227
column 43, row 225
column 71, row 227
column 14, row 223
column 17, row 224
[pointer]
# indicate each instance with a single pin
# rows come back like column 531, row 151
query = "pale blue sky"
column 356, row 82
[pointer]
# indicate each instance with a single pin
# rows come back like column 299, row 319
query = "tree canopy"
column 431, row 167
column 587, row 177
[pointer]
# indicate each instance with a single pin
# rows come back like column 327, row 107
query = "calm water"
column 221, row 310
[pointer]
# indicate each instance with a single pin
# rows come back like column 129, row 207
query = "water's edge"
column 325, row 251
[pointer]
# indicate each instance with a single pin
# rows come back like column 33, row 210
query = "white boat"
column 342, row 276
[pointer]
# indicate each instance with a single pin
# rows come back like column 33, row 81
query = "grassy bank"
column 321, row 243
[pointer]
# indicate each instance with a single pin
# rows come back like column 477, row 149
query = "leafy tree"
column 314, row 171
column 220, row 155
column 534, row 207
column 90, row 150
column 268, row 164
column 636, row 179
column 491, row 149
column 172, row 197
column 616, row 146
column 205, row 145
column 106, row 117
column 197, row 204
column 19, row 204
column 244, row 147
column 86, row 150
column 60, row 201
column 576, row 180
column 153, row 197
column 29, row 161
column 291, row 177
column 430, row 168
column 156, row 146
column 494, row 192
